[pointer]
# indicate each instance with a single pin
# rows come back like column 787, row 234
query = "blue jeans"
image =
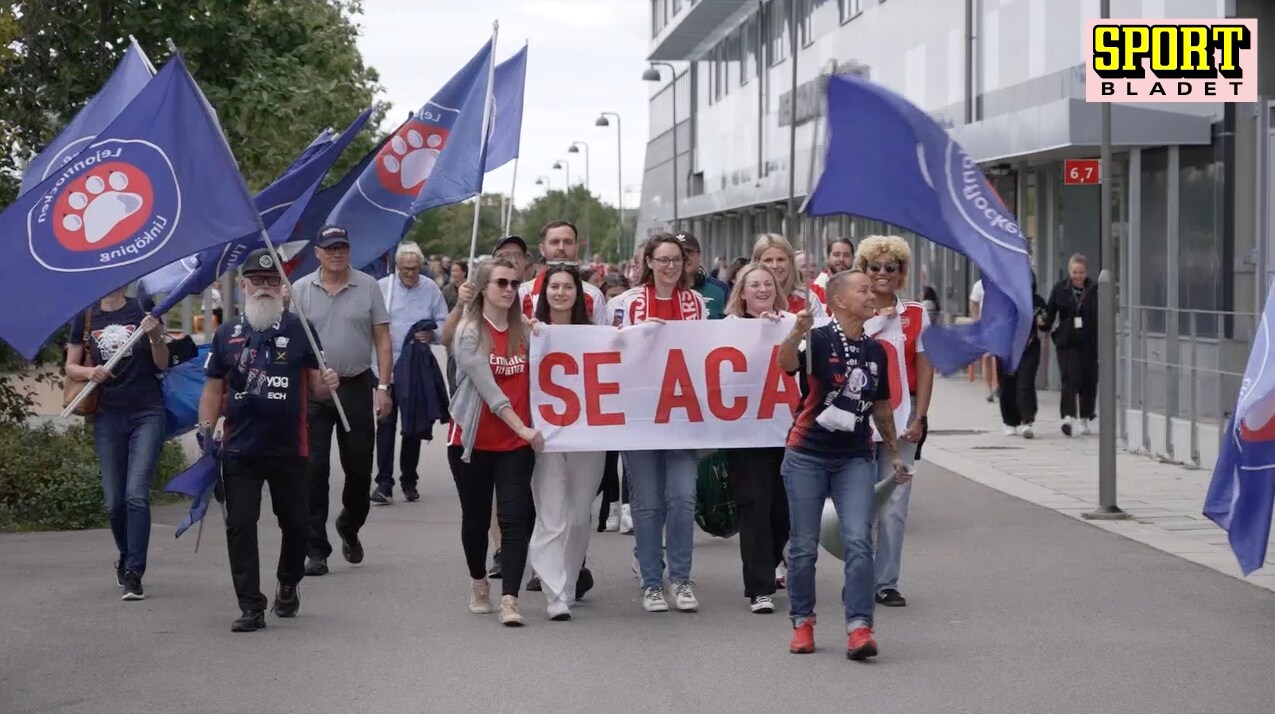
column 663, row 507
column 892, row 518
column 127, row 446
column 810, row 479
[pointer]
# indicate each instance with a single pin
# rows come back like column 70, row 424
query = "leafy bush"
column 49, row 479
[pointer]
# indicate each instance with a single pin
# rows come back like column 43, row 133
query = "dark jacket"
column 714, row 292
column 1039, row 308
column 419, row 388
column 1063, row 308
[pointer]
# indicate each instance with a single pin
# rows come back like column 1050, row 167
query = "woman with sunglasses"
column 885, row 259
column 564, row 484
column 755, row 479
column 613, row 514
column 776, row 253
column 491, row 446
column 663, row 481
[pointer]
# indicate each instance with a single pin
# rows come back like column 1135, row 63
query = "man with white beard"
column 262, row 369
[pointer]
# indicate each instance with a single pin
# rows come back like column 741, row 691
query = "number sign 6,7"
column 1081, row 172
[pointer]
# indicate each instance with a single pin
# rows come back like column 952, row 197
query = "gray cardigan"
column 475, row 385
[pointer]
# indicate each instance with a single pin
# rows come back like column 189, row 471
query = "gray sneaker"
column 653, row 599
column 381, row 498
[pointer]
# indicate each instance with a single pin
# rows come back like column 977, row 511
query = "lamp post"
column 619, row 154
column 653, row 75
column 588, row 206
column 544, row 181
column 561, row 165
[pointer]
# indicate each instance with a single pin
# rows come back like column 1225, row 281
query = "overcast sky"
column 586, row 56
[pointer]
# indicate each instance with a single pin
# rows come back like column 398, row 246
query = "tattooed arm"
column 883, row 419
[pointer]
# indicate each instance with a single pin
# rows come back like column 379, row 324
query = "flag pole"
column 513, row 186
column 142, row 53
column 305, row 324
column 124, row 349
column 482, row 148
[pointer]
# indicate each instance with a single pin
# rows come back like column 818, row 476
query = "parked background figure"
column 987, row 363
column 128, row 427
column 1018, row 389
column 1073, row 305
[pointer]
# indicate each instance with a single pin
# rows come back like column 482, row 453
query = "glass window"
column 777, row 31
column 1155, row 232
column 748, row 56
column 1199, row 238
column 805, row 16
column 850, row 9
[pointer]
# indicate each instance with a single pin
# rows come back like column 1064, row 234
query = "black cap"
column 507, row 240
column 689, row 242
column 258, row 261
column 332, row 235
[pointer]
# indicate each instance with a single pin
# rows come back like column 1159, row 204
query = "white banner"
column 682, row 385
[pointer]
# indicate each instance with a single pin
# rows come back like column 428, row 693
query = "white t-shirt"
column 976, row 294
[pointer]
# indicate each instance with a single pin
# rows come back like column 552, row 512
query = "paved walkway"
column 1164, row 500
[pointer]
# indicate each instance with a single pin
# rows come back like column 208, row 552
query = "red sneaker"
column 862, row 644
column 803, row 638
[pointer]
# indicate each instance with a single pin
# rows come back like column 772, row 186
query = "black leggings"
column 609, row 488
column 508, row 474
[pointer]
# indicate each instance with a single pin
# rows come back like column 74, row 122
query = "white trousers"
column 563, row 488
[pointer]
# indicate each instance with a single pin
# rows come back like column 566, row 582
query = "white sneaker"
column 781, row 576
column 613, row 520
column 1028, row 431
column 1084, row 427
column 653, row 599
column 684, row 597
column 626, row 519
column 1010, row 431
column 762, row 605
column 559, row 611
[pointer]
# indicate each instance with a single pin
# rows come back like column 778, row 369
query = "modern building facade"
column 1191, row 189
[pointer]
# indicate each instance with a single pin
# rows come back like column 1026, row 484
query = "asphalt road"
column 1012, row 608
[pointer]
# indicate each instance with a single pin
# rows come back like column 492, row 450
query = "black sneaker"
column 891, row 598
column 287, row 600
column 584, row 582
column 351, row 548
column 314, row 567
column 533, row 585
column 411, row 494
column 119, row 573
column 380, row 498
column 133, row 586
column 249, row 621
column 494, row 573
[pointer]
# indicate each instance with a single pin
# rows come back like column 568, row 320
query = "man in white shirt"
column 559, row 244
column 988, row 362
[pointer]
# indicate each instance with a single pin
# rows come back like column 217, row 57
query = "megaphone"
column 830, row 525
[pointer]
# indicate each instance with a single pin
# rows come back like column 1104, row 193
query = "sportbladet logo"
column 116, row 203
column 1210, row 60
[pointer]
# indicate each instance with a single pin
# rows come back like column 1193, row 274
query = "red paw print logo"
column 407, row 159
column 103, row 207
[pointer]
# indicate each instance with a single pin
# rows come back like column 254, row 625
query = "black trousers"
column 508, row 474
column 409, row 456
column 763, row 514
column 288, row 482
column 355, row 449
column 1079, row 368
column 609, row 488
column 1018, row 389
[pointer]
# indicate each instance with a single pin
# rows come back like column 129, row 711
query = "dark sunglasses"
column 889, row 268
column 273, row 281
column 503, row 283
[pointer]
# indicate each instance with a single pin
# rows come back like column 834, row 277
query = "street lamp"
column 560, row 165
column 619, row 154
column 544, row 181
column 588, row 223
column 653, row 75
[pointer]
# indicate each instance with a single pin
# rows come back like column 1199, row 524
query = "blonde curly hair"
column 884, row 249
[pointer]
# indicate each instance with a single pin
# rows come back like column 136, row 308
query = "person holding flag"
column 261, row 373
column 898, row 326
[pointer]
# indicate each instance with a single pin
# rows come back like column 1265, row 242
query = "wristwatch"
column 383, row 387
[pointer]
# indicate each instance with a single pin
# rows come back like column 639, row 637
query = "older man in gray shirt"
column 348, row 311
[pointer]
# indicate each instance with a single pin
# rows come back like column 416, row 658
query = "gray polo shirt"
column 343, row 320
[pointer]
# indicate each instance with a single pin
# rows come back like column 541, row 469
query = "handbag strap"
column 84, row 339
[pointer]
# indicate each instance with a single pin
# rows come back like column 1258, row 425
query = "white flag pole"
column 513, row 186
column 491, row 84
column 142, row 53
column 124, row 349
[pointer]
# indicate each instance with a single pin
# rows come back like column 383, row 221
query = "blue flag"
column 284, row 200
column 198, row 482
column 433, row 159
column 1241, row 496
column 157, row 184
column 303, row 260
column 505, row 135
column 889, row 161
column 130, row 75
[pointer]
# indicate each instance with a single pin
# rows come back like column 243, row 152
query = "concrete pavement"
column 1012, row 608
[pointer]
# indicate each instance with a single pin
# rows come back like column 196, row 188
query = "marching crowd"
column 339, row 352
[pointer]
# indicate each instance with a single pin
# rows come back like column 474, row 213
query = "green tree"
column 598, row 222
column 277, row 73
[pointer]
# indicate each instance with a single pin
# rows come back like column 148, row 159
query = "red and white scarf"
column 689, row 307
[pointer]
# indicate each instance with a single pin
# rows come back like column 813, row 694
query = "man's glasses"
column 510, row 255
column 666, row 262
column 273, row 281
column 506, row 283
column 888, row 268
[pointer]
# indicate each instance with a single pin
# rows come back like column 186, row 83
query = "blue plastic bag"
column 183, row 386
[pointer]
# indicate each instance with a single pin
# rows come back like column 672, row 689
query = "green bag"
column 715, row 509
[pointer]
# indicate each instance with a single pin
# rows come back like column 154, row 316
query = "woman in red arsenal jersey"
column 754, row 473
column 885, row 259
column 564, row 485
column 490, row 445
column 775, row 252
column 662, row 481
